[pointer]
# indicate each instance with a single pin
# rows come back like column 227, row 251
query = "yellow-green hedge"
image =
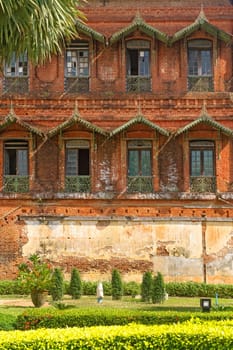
column 189, row 335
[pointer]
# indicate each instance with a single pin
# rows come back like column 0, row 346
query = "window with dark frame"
column 200, row 70
column 202, row 166
column 16, row 75
column 77, row 166
column 16, row 177
column 139, row 166
column 138, row 66
column 77, row 67
column 18, row 66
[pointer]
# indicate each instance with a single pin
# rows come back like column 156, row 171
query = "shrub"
column 57, row 288
column 131, row 288
column 158, row 289
column 63, row 316
column 146, row 286
column 189, row 335
column 75, row 289
column 196, row 289
column 35, row 274
column 117, row 285
column 89, row 288
column 7, row 322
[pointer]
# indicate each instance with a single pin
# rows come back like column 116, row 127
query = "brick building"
column 118, row 153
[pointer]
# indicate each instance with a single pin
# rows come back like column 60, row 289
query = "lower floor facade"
column 185, row 240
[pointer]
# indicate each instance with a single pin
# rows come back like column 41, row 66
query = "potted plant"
column 35, row 276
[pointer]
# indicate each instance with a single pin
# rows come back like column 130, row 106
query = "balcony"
column 136, row 83
column 15, row 85
column 141, row 184
column 203, row 184
column 199, row 83
column 15, row 184
column 78, row 184
column 76, row 84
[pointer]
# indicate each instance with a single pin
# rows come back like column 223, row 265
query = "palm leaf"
column 38, row 27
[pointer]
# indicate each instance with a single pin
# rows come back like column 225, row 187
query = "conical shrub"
column 57, row 285
column 117, row 285
column 146, row 286
column 158, row 289
column 75, row 287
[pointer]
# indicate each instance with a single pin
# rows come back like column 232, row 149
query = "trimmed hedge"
column 178, row 289
column 195, row 289
column 7, row 322
column 190, row 335
column 54, row 318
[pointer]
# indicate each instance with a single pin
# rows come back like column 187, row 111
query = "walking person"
column 100, row 292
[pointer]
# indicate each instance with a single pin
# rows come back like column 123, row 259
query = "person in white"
column 100, row 292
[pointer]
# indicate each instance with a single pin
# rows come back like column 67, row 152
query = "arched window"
column 16, row 74
column 77, row 67
column 200, row 70
column 139, row 166
column 138, row 66
column 16, row 177
column 77, row 166
column 202, row 166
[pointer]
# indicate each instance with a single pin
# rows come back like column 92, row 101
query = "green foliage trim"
column 58, row 318
column 189, row 335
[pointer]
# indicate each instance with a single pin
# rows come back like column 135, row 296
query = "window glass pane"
column 143, row 62
column 205, row 62
column 208, row 167
column 72, row 162
column 6, row 162
column 83, row 162
column 193, row 62
column 195, row 163
column 133, row 169
column 132, row 64
column 22, row 162
column 146, row 162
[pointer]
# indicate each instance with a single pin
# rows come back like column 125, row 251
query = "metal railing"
column 75, row 84
column 200, row 83
column 138, row 84
column 17, row 85
column 139, row 184
column 15, row 183
column 77, row 184
column 203, row 184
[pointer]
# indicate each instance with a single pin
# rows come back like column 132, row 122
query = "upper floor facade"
column 140, row 103
column 159, row 51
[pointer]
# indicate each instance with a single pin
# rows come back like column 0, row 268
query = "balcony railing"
column 136, row 83
column 15, row 85
column 77, row 184
column 76, row 84
column 15, row 183
column 139, row 184
column 198, row 83
column 203, row 184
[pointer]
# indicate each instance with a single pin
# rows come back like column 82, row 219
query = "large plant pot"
column 38, row 297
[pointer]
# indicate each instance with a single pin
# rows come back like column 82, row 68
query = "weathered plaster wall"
column 95, row 247
column 219, row 251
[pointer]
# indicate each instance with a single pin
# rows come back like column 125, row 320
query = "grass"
column 9, row 312
column 173, row 303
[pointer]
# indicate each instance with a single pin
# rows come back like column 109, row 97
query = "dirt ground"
column 18, row 302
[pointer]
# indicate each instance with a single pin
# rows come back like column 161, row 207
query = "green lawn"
column 9, row 312
column 173, row 303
